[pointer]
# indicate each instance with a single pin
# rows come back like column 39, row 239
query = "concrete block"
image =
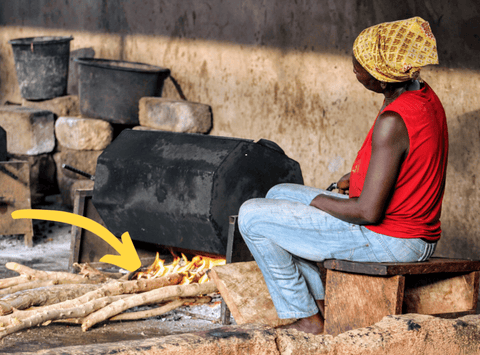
column 60, row 106
column 29, row 131
column 235, row 340
column 293, row 342
column 85, row 160
column 413, row 334
column 83, row 133
column 175, row 115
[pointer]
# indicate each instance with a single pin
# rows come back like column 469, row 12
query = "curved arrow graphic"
column 128, row 258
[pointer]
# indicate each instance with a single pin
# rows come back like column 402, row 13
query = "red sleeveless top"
column 415, row 207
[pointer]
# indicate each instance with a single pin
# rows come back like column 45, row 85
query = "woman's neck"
column 393, row 91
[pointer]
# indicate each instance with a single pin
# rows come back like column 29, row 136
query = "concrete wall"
column 281, row 70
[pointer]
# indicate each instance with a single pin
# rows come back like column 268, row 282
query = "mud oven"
column 179, row 192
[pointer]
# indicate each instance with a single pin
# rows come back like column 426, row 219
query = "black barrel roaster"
column 178, row 190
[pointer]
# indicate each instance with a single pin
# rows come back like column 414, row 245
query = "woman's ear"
column 416, row 75
column 383, row 85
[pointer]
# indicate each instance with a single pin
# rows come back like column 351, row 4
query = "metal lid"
column 121, row 65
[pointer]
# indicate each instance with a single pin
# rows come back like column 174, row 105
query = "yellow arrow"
column 128, row 258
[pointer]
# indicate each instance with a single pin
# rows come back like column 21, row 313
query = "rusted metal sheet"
column 356, row 301
column 434, row 265
column 441, row 293
column 15, row 195
column 86, row 247
column 3, row 144
column 178, row 190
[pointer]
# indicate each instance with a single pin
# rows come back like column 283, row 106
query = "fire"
column 192, row 271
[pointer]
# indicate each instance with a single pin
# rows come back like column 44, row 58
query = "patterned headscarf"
column 395, row 51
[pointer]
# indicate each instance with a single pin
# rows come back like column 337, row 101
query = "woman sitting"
column 396, row 185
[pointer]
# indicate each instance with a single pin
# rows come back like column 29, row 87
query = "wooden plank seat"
column 360, row 294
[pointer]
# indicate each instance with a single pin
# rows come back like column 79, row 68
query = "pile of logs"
column 89, row 297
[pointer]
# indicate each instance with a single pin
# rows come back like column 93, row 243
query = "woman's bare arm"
column 390, row 145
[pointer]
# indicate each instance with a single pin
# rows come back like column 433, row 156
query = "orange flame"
column 192, row 271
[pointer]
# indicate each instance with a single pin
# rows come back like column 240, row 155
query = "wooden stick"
column 44, row 296
column 90, row 272
column 170, row 306
column 158, row 295
column 38, row 284
column 110, row 289
column 16, row 323
column 14, row 281
column 43, row 275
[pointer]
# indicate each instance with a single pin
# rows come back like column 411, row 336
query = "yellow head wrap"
column 395, row 51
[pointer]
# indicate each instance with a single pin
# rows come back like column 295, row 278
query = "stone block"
column 29, row 131
column 85, row 160
column 143, row 128
column 43, row 177
column 175, row 115
column 83, row 133
column 60, row 106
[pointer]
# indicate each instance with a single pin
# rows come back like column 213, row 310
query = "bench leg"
column 355, row 301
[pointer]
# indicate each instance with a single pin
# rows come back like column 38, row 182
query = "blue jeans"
column 287, row 236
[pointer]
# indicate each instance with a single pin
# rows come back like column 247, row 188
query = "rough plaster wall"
column 284, row 73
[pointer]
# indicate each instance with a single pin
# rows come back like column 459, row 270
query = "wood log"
column 43, row 275
column 112, row 288
column 91, row 273
column 43, row 296
column 14, row 281
column 245, row 292
column 16, row 323
column 158, row 295
column 40, row 283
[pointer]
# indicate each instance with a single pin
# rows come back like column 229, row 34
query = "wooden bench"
column 360, row 294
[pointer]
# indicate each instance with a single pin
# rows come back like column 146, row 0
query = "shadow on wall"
column 460, row 214
column 309, row 25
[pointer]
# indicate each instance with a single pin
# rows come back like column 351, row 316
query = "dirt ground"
column 51, row 252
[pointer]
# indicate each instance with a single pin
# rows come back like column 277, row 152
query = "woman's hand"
column 344, row 184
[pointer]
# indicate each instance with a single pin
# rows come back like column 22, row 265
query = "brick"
column 175, row 115
column 29, row 131
column 85, row 160
column 83, row 133
column 60, row 106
